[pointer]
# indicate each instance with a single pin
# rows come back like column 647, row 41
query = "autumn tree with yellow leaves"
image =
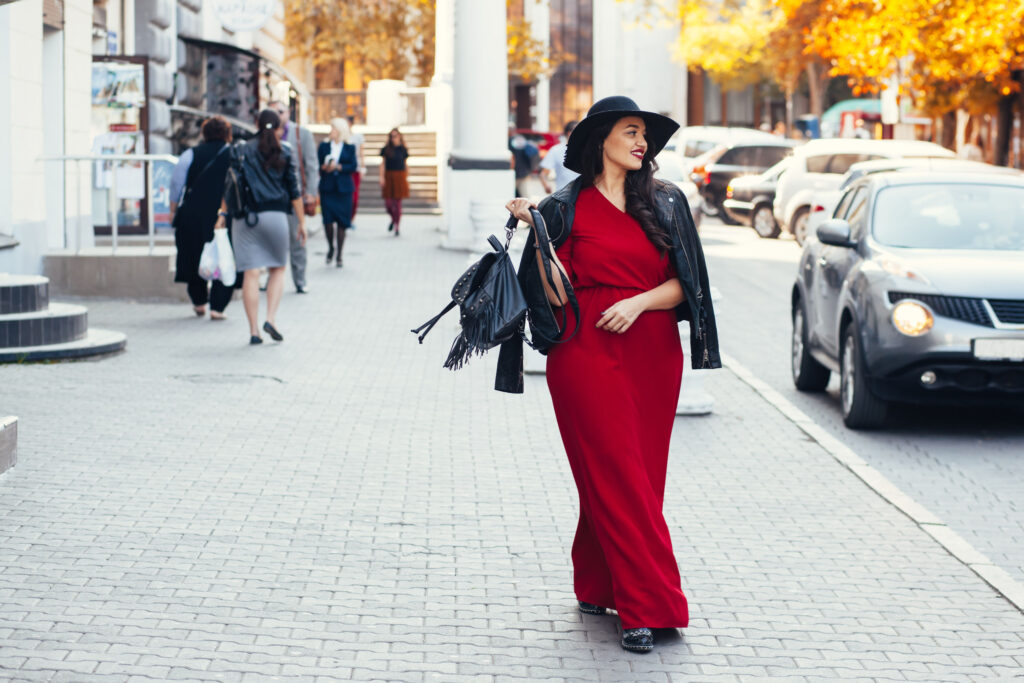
column 381, row 39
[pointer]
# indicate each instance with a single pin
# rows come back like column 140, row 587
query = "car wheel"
column 808, row 374
column 763, row 222
column 798, row 226
column 707, row 208
column 725, row 217
column 861, row 409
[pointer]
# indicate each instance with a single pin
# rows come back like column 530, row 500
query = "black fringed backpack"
column 492, row 308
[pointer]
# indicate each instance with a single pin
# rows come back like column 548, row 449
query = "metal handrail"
column 147, row 159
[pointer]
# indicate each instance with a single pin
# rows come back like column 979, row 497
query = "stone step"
column 58, row 324
column 8, row 442
column 96, row 342
column 23, row 293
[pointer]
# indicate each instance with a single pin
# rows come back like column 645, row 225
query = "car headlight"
column 912, row 318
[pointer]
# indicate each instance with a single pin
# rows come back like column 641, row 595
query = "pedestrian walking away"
column 359, row 141
column 628, row 247
column 394, row 177
column 525, row 162
column 197, row 188
column 337, row 156
column 553, row 164
column 273, row 181
column 302, row 148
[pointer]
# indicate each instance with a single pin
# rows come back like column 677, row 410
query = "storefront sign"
column 244, row 15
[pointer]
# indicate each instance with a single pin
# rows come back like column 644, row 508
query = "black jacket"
column 341, row 180
column 673, row 213
column 272, row 189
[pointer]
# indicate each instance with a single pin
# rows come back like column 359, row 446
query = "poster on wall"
column 119, row 86
column 244, row 15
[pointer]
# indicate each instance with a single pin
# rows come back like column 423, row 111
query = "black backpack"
column 492, row 307
column 237, row 193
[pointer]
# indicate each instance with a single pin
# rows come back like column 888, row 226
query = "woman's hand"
column 221, row 222
column 302, row 233
column 520, row 208
column 621, row 315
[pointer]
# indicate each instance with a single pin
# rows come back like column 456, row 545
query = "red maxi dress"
column 615, row 399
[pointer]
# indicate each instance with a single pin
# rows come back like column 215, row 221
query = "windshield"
column 778, row 169
column 950, row 216
column 670, row 167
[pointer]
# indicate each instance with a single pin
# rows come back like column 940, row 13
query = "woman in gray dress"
column 274, row 185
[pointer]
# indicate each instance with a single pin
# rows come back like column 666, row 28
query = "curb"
column 952, row 542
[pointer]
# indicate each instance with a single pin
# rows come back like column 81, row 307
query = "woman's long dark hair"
column 269, row 146
column 390, row 147
column 640, row 185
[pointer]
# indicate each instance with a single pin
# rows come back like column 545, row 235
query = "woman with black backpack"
column 198, row 180
column 625, row 253
column 273, row 191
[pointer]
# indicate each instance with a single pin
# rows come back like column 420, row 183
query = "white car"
column 671, row 170
column 824, row 203
column 819, row 165
column 693, row 141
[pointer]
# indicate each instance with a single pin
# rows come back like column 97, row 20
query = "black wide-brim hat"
column 659, row 128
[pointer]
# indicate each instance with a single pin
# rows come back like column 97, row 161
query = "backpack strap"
column 429, row 325
column 544, row 247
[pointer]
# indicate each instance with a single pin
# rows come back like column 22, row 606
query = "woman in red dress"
column 615, row 383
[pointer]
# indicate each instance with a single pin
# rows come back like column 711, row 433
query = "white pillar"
column 538, row 13
column 439, row 96
column 481, row 179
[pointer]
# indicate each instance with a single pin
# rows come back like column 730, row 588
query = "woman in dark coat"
column 337, row 163
column 394, row 177
column 615, row 383
column 201, row 171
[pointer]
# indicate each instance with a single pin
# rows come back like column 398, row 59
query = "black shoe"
column 253, row 340
column 330, row 256
column 338, row 264
column 301, row 290
column 591, row 608
column 638, row 640
column 391, row 226
column 274, row 334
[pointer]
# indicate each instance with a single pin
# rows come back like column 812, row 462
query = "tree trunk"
column 1004, row 125
column 817, row 79
column 948, row 139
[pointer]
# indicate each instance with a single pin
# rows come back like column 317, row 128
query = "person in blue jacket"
column 338, row 162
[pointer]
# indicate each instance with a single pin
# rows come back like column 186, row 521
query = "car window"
column 950, row 216
column 818, row 164
column 843, row 204
column 740, row 156
column 769, row 156
column 694, row 148
column 857, row 214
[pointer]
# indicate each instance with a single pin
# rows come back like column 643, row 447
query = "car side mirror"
column 835, row 232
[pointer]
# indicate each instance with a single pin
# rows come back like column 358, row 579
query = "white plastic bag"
column 225, row 257
column 208, row 261
column 217, row 262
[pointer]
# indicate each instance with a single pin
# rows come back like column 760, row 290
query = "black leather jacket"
column 673, row 213
column 272, row 189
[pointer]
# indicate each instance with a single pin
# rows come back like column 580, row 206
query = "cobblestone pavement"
column 339, row 507
column 965, row 465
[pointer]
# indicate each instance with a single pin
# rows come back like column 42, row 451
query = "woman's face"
column 395, row 137
column 334, row 135
column 626, row 145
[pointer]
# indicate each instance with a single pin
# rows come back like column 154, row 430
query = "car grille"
column 964, row 308
column 1009, row 311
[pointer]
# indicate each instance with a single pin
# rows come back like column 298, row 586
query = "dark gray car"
column 914, row 291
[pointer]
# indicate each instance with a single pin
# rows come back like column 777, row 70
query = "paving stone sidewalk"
column 339, row 507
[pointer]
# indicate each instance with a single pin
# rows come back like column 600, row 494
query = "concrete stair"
column 423, row 170
column 33, row 329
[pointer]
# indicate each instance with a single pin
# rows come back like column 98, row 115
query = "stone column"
column 480, row 178
column 538, row 13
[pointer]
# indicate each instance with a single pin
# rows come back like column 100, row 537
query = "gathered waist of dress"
column 584, row 288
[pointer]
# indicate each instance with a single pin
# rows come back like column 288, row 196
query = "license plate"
column 999, row 349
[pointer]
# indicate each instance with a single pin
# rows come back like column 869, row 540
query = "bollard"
column 694, row 398
column 8, row 442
